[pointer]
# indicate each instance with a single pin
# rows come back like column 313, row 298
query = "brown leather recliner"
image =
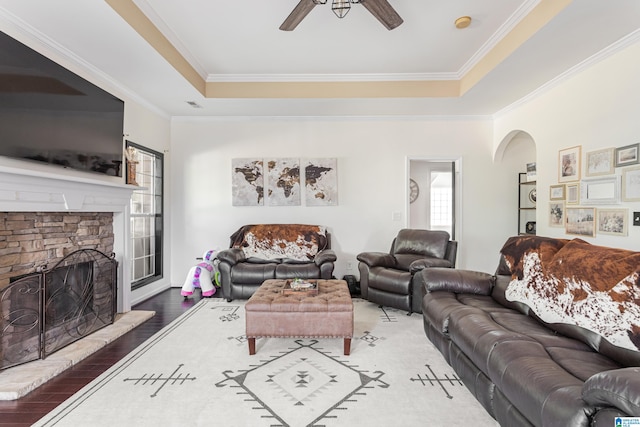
column 389, row 279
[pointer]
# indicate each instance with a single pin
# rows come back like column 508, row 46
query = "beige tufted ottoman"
column 329, row 314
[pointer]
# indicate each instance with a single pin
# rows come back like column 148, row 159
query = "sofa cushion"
column 391, row 280
column 403, row 261
column 581, row 363
column 299, row 242
column 253, row 273
column 477, row 334
column 302, row 271
column 536, row 384
column 580, row 284
column 421, row 242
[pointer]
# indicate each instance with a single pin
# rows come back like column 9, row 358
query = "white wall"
column 372, row 157
column 152, row 130
column 597, row 108
column 419, row 212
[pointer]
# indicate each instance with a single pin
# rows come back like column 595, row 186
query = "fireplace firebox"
column 43, row 312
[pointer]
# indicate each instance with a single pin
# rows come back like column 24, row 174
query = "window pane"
column 158, row 205
column 138, row 269
column 138, row 247
column 136, row 203
column 149, row 265
column 441, row 201
column 157, row 187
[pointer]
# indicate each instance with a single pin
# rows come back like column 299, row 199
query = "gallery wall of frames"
column 584, row 199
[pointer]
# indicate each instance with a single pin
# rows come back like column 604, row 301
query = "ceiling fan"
column 381, row 9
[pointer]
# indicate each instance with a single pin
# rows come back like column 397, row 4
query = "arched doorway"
column 517, row 150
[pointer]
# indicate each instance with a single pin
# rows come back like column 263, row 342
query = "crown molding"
column 515, row 18
column 605, row 53
column 332, row 118
column 370, row 77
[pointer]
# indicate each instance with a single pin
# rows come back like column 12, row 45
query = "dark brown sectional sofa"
column 529, row 372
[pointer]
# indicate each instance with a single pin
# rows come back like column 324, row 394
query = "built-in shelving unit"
column 527, row 196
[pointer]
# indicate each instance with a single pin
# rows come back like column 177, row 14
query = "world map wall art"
column 276, row 182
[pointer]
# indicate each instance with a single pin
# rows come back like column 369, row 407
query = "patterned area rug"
column 197, row 371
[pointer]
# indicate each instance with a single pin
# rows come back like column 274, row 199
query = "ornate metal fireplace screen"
column 45, row 311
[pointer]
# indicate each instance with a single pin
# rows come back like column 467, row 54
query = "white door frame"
column 458, row 188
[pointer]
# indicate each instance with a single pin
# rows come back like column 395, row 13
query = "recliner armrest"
column 326, row 255
column 421, row 264
column 619, row 388
column 457, row 281
column 377, row 259
column 231, row 256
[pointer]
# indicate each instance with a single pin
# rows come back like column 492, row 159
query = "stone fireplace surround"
column 25, row 192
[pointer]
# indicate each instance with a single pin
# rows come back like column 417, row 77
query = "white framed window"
column 146, row 215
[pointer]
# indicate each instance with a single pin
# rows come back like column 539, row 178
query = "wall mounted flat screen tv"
column 49, row 114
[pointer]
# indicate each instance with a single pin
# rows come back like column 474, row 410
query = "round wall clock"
column 414, row 191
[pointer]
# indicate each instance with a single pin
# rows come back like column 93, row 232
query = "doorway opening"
column 433, row 194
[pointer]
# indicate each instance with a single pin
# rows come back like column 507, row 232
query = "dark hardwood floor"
column 23, row 412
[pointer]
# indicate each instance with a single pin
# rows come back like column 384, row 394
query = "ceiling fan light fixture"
column 380, row 9
column 341, row 7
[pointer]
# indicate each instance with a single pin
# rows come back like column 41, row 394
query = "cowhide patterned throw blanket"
column 298, row 242
column 577, row 283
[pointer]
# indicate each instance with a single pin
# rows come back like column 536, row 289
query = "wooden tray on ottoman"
column 288, row 290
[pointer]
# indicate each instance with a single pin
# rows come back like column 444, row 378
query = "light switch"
column 636, row 218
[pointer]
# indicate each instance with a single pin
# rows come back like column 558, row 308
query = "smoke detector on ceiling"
column 463, row 22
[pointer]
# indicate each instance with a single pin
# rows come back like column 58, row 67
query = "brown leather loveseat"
column 552, row 339
column 274, row 251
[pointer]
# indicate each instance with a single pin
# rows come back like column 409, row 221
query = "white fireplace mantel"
column 25, row 190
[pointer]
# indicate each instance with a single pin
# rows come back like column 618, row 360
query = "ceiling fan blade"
column 383, row 12
column 297, row 15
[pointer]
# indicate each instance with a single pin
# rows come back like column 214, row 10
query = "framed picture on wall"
column 600, row 162
column 613, row 221
column 580, row 221
column 573, row 194
column 569, row 164
column 627, row 155
column 531, row 172
column 556, row 214
column 600, row 191
column 631, row 185
column 556, row 192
